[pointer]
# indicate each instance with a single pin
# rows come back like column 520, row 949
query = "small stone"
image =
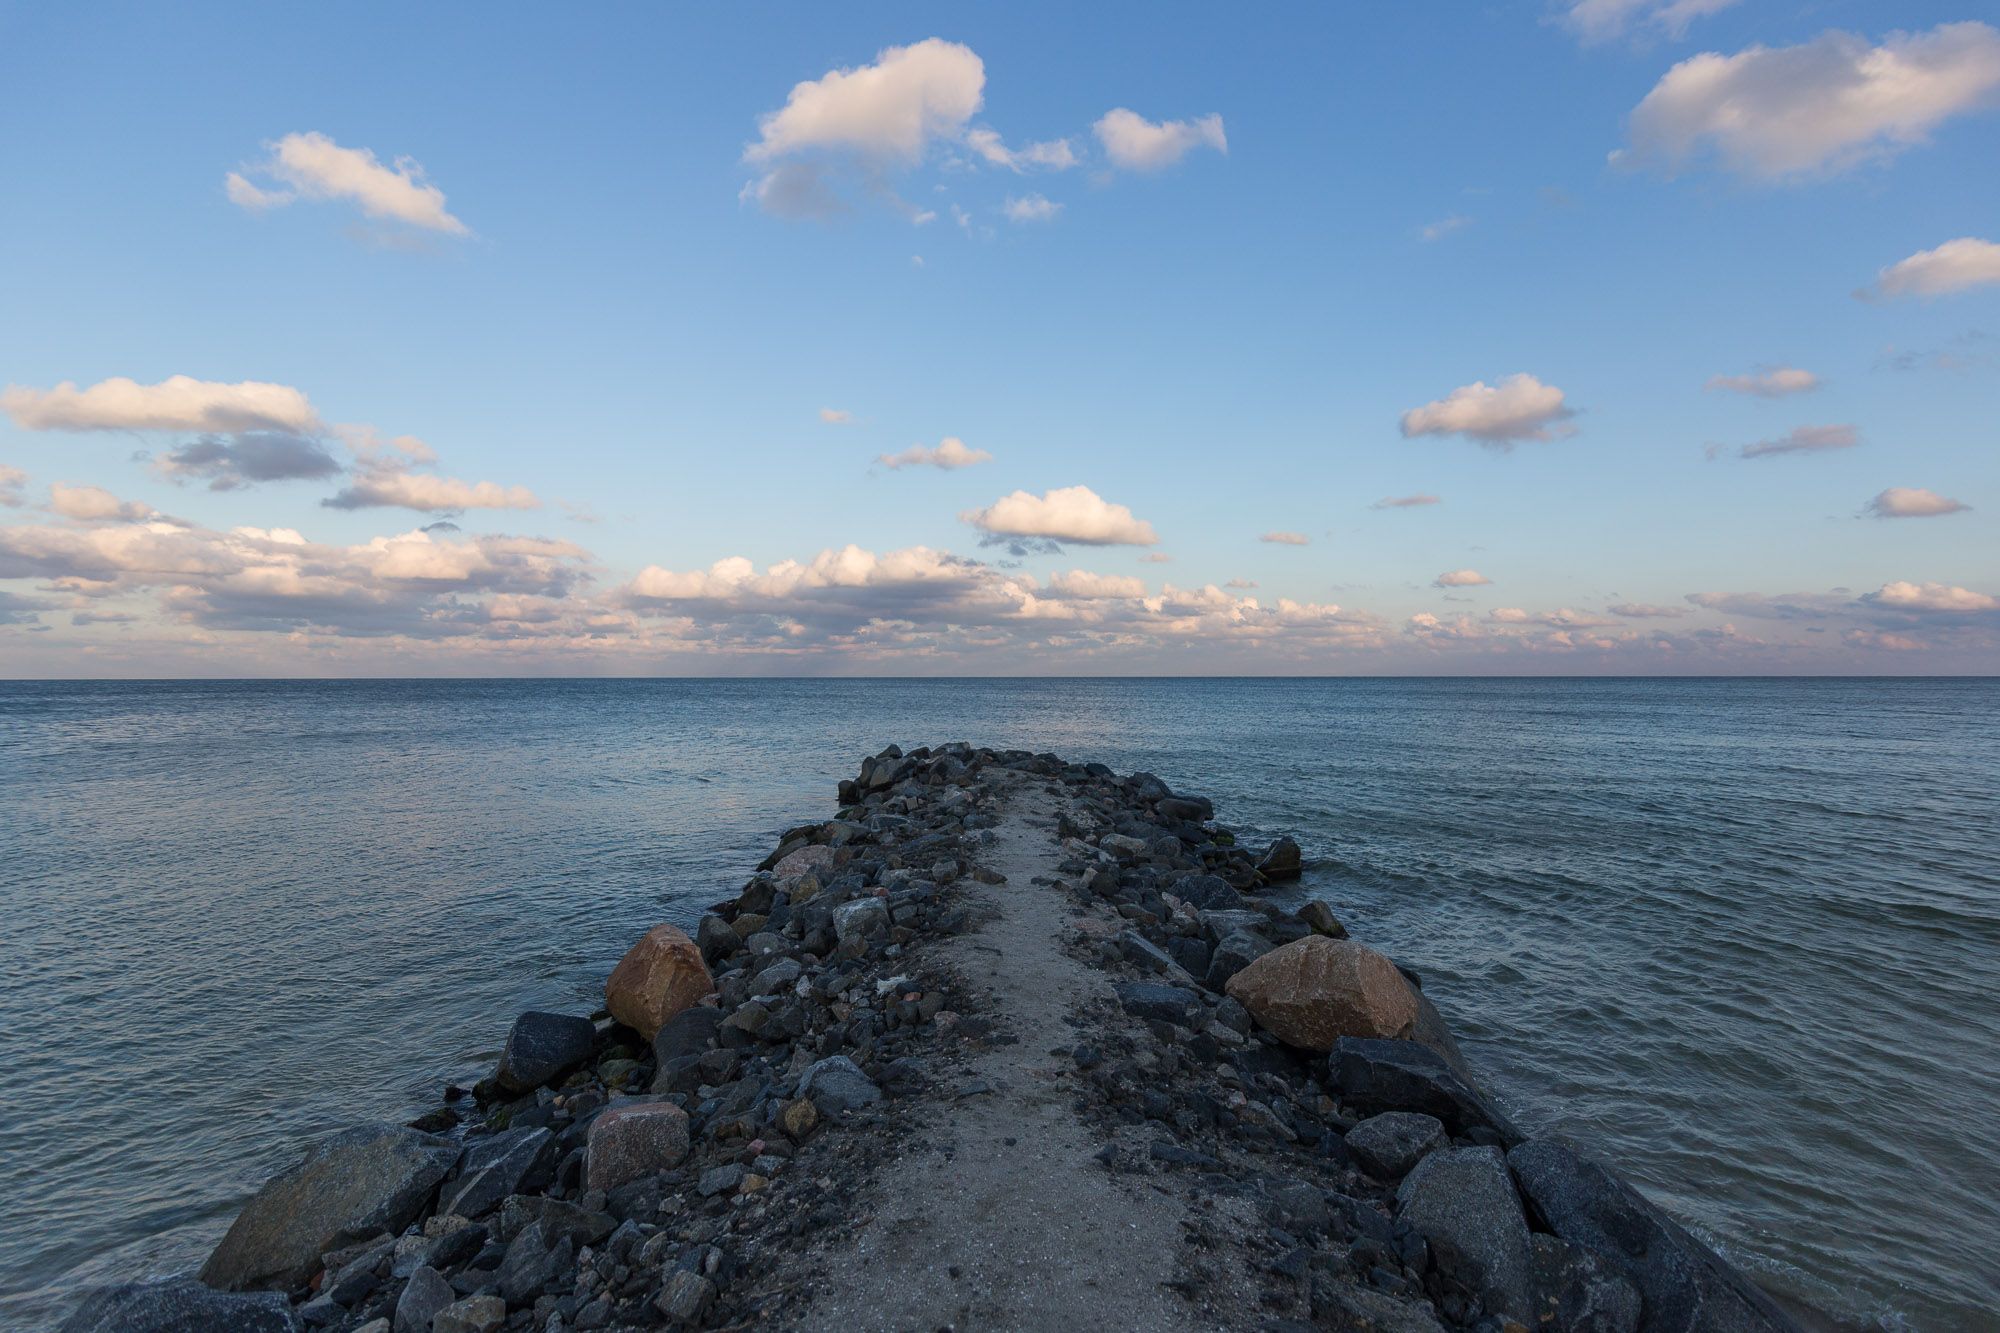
column 423, row 1296
column 799, row 1119
column 721, row 1180
column 685, row 1298
column 1321, row 918
column 837, row 1083
column 864, row 918
column 1388, row 1145
column 474, row 1314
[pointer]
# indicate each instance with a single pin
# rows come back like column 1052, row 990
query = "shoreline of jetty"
column 1008, row 1042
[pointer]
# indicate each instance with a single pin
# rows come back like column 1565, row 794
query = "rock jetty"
column 1008, row 1042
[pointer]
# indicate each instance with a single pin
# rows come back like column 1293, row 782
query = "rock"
column 1430, row 1030
column 181, row 1306
column 1389, row 1144
column 864, row 917
column 685, row 1298
column 423, row 1296
column 799, row 1119
column 474, row 1314
column 559, row 1218
column 1578, row 1291
column 1186, row 809
column 1143, row 953
column 1322, row 920
column 686, row 1033
column 493, row 1168
column 1462, row 1201
column 1345, row 1307
column 659, row 977
column 837, row 1084
column 805, row 861
column 1282, row 862
column 541, row 1048
column 779, row 976
column 634, row 1140
column 353, row 1185
column 1122, row 847
column 1153, row 999
column 531, row 1263
column 1377, row 1075
column 1684, row 1286
column 722, row 1179
column 1313, row 991
column 1206, row 891
column 1233, row 952
column 715, row 937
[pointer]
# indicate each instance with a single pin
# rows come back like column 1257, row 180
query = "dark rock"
column 1153, row 999
column 181, row 1306
column 1378, row 1074
column 1282, row 862
column 531, row 1264
column 559, row 1219
column 1389, row 1144
column 1186, row 809
column 1320, row 918
column 864, row 918
column 837, row 1084
column 541, row 1048
column 474, row 1314
column 1192, row 954
column 721, row 1180
column 353, row 1185
column 1580, row 1292
column 684, row 1299
column 1209, row 892
column 1143, row 953
column 1685, row 1286
column 686, row 1033
column 716, row 938
column 1232, row 953
column 423, row 1296
column 1462, row 1201
column 493, row 1168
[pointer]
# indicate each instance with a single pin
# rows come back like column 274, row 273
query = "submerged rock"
column 358, row 1183
column 181, row 1306
column 542, row 1047
column 1462, row 1201
column 1313, row 991
column 1282, row 862
column 659, row 977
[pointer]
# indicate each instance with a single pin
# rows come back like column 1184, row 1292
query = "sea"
column 1739, row 936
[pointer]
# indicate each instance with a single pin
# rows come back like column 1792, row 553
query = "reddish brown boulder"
column 639, row 1139
column 661, row 975
column 1313, row 991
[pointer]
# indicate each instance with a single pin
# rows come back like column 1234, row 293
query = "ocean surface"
column 1742, row 936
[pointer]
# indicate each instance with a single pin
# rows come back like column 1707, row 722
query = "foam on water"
column 1741, row 936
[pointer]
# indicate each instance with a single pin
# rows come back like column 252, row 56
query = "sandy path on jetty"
column 1009, row 1222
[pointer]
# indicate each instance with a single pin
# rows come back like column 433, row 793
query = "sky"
column 1598, row 337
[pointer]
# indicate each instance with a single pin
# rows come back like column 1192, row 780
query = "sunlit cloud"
column 1518, row 408
column 312, row 166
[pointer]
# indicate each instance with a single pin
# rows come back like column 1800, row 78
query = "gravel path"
column 1009, row 1222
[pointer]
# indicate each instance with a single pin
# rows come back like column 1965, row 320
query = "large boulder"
column 181, row 1306
column 1684, row 1286
column 1312, row 992
column 1389, row 1144
column 358, row 1183
column 1462, row 1201
column 659, row 977
column 634, row 1140
column 542, row 1047
column 493, row 1168
column 1371, row 1075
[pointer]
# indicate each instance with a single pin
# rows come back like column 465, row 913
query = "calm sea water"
column 1743, row 936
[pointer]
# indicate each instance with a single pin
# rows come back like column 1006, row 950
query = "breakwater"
column 1008, row 1042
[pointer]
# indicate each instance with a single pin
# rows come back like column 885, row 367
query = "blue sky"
column 1295, row 275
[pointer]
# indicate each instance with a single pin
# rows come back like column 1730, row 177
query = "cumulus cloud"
column 1069, row 514
column 1773, row 606
column 1519, row 407
column 1596, row 21
column 893, row 108
column 1052, row 155
column 386, row 488
column 233, row 462
column 833, row 416
column 1083, row 585
column 1461, row 578
column 1286, row 539
column 1030, row 208
column 12, row 482
column 1647, row 611
column 1802, row 440
column 1769, row 382
column 950, row 453
column 1913, row 502
column 1405, row 501
column 1559, row 619
column 312, row 166
column 178, row 403
column 1775, row 113
column 1954, row 266
column 94, row 504
column 1940, row 598
column 1134, row 143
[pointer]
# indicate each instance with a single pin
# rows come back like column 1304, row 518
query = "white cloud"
column 1070, row 514
column 1461, row 578
column 1954, row 266
column 1286, row 539
column 950, row 453
column 1913, row 502
column 1803, row 440
column 94, row 504
column 1438, row 230
column 1405, row 501
column 1030, row 208
column 1606, row 20
column 1519, row 407
column 1647, row 611
column 1052, row 155
column 833, row 416
column 891, row 109
column 1824, row 106
column 394, row 488
column 12, row 480
column 1137, row 144
column 1937, row 597
column 313, row 166
column 1088, row 587
column 178, row 403
column 1770, row 382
